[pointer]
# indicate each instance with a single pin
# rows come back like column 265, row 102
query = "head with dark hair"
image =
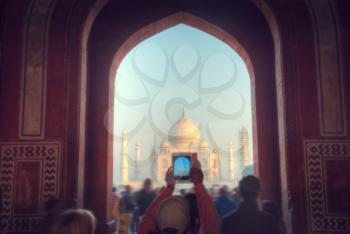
column 77, row 221
column 51, row 209
column 114, row 189
column 223, row 191
column 127, row 188
column 52, row 205
column 249, row 187
column 147, row 184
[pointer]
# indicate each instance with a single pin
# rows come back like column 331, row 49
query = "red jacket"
column 209, row 220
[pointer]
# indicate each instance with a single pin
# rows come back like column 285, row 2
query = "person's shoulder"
column 228, row 221
column 216, row 200
column 153, row 194
column 140, row 192
column 138, row 195
column 230, row 217
column 230, row 200
column 268, row 218
column 266, row 215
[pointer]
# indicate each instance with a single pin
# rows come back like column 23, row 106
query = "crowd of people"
column 197, row 210
column 166, row 211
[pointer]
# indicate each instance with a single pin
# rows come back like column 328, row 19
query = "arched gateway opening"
column 105, row 56
column 182, row 90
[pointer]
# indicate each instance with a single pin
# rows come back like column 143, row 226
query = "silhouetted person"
column 194, row 224
column 52, row 208
column 127, row 207
column 115, row 197
column 235, row 195
column 77, row 221
column 271, row 208
column 248, row 219
column 145, row 197
column 224, row 203
column 115, row 204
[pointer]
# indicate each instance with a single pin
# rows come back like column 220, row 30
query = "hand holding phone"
column 196, row 172
column 169, row 177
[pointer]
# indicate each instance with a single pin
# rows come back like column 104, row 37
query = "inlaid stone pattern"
column 317, row 152
column 47, row 154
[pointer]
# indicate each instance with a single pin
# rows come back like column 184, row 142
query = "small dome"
column 184, row 132
column 165, row 144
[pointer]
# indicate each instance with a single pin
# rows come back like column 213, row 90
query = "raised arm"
column 209, row 219
column 208, row 216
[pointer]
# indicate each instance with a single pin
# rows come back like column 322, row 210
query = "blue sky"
column 181, row 68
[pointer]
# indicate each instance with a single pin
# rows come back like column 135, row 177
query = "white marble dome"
column 184, row 133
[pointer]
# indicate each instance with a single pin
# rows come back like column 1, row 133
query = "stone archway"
column 197, row 23
column 102, row 72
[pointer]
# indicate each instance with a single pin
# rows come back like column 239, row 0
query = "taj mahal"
column 185, row 136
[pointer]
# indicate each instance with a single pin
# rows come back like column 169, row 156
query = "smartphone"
column 182, row 163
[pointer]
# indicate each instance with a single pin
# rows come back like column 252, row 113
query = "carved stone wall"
column 34, row 77
column 329, row 68
column 29, row 175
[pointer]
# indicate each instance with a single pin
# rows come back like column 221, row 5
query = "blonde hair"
column 78, row 221
column 173, row 213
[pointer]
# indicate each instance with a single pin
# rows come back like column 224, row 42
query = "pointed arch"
column 180, row 17
column 186, row 18
column 271, row 19
column 101, row 97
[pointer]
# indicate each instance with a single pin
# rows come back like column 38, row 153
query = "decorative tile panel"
column 29, row 175
column 320, row 155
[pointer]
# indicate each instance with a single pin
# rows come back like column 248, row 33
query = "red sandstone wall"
column 312, row 155
column 110, row 31
column 49, row 162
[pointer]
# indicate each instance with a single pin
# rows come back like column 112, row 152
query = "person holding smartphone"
column 172, row 214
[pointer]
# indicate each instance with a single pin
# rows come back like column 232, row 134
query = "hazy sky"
column 181, row 68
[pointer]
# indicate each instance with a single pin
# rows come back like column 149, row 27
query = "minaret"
column 153, row 156
column 231, row 170
column 244, row 148
column 137, row 159
column 125, row 155
column 214, row 166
